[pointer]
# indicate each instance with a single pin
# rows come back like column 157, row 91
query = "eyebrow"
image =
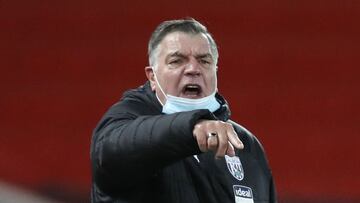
column 207, row 55
column 178, row 54
column 175, row 54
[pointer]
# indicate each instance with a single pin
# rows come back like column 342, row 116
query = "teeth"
column 192, row 86
column 192, row 89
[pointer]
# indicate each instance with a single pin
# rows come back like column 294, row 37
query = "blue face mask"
column 175, row 104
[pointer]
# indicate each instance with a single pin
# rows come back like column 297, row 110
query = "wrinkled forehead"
column 185, row 43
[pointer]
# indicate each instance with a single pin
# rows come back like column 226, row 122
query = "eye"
column 175, row 61
column 204, row 61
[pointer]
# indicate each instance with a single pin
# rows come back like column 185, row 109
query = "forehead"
column 185, row 43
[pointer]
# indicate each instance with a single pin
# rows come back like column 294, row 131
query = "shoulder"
column 138, row 101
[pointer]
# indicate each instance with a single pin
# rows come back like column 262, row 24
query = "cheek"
column 212, row 79
column 211, row 84
column 171, row 81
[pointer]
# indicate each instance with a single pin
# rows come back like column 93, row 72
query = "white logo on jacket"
column 235, row 167
column 243, row 194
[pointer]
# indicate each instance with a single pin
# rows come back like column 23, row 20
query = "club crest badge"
column 235, row 167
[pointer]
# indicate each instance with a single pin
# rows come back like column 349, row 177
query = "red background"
column 289, row 70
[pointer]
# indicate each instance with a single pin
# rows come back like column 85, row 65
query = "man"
column 171, row 139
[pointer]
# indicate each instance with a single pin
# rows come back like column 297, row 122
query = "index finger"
column 234, row 139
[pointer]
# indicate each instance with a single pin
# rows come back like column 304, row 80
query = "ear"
column 150, row 76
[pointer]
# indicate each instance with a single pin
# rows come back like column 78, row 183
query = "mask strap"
column 157, row 82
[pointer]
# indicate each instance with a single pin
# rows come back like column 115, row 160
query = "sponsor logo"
column 242, row 191
column 235, row 167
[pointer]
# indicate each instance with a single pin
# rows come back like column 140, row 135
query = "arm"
column 127, row 147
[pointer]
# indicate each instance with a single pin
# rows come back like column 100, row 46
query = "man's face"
column 185, row 66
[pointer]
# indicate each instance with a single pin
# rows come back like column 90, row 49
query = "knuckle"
column 198, row 126
column 204, row 124
column 220, row 123
column 215, row 122
column 228, row 126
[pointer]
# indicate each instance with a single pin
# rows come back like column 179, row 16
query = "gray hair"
column 188, row 25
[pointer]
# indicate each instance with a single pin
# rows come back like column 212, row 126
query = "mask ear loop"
column 157, row 82
column 216, row 82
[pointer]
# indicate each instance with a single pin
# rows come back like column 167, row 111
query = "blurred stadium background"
column 289, row 69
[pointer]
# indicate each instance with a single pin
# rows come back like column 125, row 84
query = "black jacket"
column 139, row 154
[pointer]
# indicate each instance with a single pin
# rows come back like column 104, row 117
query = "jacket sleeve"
column 128, row 147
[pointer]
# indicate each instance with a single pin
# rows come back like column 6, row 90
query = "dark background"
column 288, row 68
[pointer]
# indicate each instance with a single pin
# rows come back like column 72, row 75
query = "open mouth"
column 192, row 90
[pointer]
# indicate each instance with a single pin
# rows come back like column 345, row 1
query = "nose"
column 192, row 68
